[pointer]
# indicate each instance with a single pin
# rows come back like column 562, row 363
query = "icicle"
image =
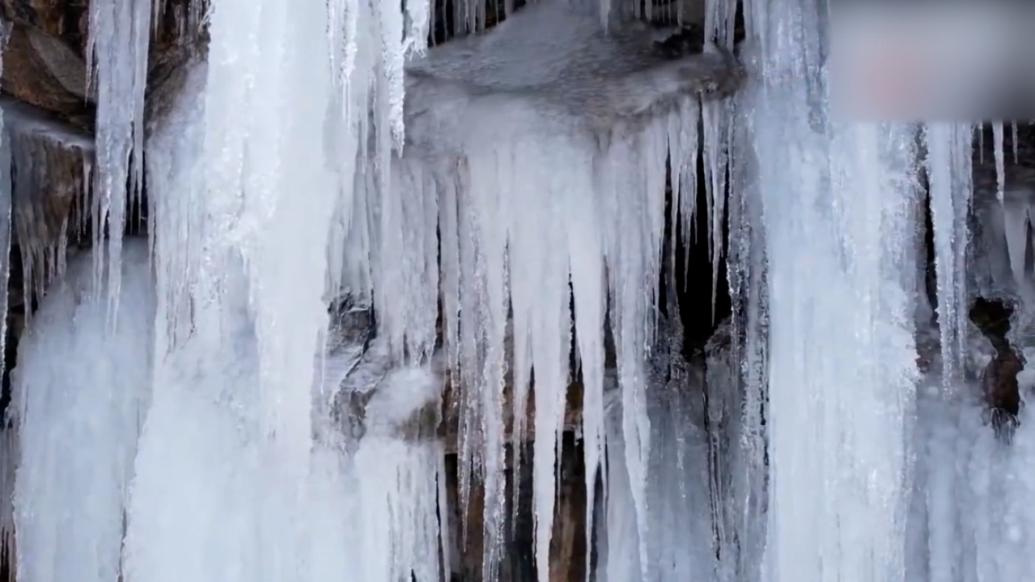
column 1000, row 160
column 1013, row 140
column 948, row 165
column 117, row 58
column 715, row 119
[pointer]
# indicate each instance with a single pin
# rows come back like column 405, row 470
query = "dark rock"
column 60, row 19
column 999, row 378
column 688, row 40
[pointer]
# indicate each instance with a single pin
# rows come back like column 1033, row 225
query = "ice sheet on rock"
column 398, row 482
column 737, row 366
column 81, row 391
column 680, row 538
column 971, row 517
column 736, row 460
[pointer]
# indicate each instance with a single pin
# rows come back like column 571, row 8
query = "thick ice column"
column 250, row 175
column 949, row 151
column 838, row 222
column 117, row 54
column 81, row 390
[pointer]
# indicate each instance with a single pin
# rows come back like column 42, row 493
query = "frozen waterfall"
column 492, row 291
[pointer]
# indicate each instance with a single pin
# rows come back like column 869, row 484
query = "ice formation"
column 487, row 220
column 46, row 157
column 117, row 57
column 81, row 390
column 839, row 204
column 550, row 189
column 949, row 150
column 243, row 310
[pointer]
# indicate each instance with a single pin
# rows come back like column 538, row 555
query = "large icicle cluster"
column 45, row 157
column 548, row 195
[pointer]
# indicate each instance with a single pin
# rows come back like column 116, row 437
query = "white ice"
column 117, row 63
column 81, row 392
column 839, row 206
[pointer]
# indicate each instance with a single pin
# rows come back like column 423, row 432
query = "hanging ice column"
column 949, row 158
column 839, row 212
column 117, row 59
column 231, row 483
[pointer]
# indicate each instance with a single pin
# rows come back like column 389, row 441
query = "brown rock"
column 65, row 20
column 43, row 71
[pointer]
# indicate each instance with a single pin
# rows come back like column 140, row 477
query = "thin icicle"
column 1000, row 160
column 715, row 119
column 1014, row 137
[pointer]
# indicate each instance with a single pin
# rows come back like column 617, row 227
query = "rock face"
column 999, row 378
column 60, row 19
column 41, row 70
column 45, row 59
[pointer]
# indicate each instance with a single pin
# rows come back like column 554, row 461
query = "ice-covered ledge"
column 50, row 162
column 553, row 61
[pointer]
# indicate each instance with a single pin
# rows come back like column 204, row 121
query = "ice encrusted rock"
column 554, row 58
column 50, row 163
